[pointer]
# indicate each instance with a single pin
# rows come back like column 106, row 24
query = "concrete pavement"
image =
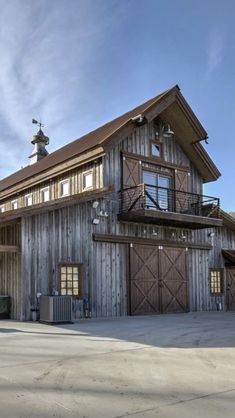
column 157, row 366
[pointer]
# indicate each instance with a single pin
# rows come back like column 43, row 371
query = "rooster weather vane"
column 38, row 123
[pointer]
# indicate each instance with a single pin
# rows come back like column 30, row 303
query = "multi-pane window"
column 156, row 190
column 216, row 281
column 70, row 279
column 14, row 204
column 29, row 199
column 87, row 180
column 64, row 188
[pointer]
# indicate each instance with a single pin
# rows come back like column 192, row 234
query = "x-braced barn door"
column 158, row 280
column 173, row 279
column 230, row 289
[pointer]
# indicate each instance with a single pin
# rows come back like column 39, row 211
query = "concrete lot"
column 162, row 366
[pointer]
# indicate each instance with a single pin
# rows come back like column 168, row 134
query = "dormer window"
column 87, row 180
column 156, row 149
column 45, row 194
column 14, row 204
column 64, row 188
column 29, row 199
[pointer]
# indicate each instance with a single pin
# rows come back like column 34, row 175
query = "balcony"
column 162, row 206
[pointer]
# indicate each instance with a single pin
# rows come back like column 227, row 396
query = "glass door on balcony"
column 156, row 190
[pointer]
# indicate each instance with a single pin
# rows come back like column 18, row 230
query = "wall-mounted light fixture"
column 95, row 204
column 96, row 221
column 211, row 234
column 103, row 214
column 164, row 131
column 139, row 119
column 154, row 232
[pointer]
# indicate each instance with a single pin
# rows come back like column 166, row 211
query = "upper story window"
column 156, row 149
column 87, row 180
column 14, row 204
column 216, row 281
column 29, row 199
column 64, row 188
column 45, row 194
column 2, row 208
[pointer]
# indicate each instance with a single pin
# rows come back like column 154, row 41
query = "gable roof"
column 228, row 219
column 101, row 137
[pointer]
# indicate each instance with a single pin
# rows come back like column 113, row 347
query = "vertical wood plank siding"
column 10, row 265
column 76, row 186
column 65, row 235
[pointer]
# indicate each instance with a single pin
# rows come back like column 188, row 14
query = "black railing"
column 144, row 197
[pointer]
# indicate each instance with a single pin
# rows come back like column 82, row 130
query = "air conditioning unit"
column 55, row 309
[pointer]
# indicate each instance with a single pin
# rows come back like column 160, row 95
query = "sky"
column 76, row 64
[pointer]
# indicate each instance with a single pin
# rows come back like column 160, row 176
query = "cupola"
column 39, row 141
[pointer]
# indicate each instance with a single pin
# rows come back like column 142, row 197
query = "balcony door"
column 157, row 190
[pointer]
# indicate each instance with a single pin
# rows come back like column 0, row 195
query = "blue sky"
column 77, row 64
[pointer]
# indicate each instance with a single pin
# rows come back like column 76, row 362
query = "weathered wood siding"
column 75, row 178
column 138, row 142
column 65, row 235
column 10, row 279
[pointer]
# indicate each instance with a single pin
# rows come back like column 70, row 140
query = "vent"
column 55, row 309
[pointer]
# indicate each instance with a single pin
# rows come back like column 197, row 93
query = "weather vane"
column 37, row 123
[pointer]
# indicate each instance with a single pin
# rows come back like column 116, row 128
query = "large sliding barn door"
column 173, row 277
column 158, row 280
column 230, row 291
column 144, row 286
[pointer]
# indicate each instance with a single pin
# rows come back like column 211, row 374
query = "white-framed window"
column 29, row 199
column 14, row 204
column 87, row 180
column 64, row 188
column 45, row 194
column 2, row 208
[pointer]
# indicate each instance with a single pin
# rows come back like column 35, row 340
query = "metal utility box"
column 55, row 309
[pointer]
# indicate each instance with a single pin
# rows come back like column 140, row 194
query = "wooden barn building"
column 118, row 218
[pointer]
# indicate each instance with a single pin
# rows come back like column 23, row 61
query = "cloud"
column 44, row 49
column 215, row 51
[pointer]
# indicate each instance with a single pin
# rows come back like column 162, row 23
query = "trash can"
column 4, row 307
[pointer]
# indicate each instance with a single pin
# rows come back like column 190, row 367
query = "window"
column 64, row 188
column 14, row 204
column 45, row 194
column 216, row 281
column 87, row 180
column 2, row 209
column 156, row 149
column 70, row 279
column 29, row 199
column 156, row 190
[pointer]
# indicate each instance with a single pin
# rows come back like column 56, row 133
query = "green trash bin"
column 4, row 307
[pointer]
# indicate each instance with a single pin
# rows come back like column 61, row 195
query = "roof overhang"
column 229, row 255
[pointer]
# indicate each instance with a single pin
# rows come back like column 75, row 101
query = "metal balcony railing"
column 148, row 197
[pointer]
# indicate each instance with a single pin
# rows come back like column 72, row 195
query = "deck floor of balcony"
column 169, row 219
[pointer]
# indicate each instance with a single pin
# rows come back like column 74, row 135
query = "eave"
column 53, row 172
